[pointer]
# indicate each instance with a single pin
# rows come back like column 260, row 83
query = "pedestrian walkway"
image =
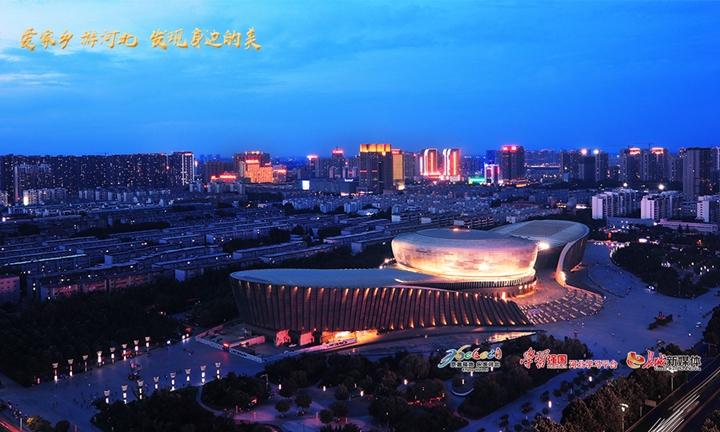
column 574, row 304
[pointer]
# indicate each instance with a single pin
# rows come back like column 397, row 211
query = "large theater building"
column 442, row 277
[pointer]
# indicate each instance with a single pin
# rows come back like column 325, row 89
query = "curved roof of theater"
column 345, row 278
column 553, row 232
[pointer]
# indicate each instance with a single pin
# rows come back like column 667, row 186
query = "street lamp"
column 187, row 372
column 217, row 366
column 112, row 354
column 99, row 353
column 124, row 390
column 70, row 362
column 156, row 379
column 107, row 397
column 202, row 374
column 55, row 365
column 137, row 341
column 623, row 407
column 124, row 347
column 172, row 380
column 85, row 356
column 147, row 343
column 140, row 387
column 549, row 404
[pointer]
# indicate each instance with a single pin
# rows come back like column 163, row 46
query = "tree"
column 39, row 424
column 303, row 401
column 289, row 388
column 388, row 409
column 62, row 426
column 414, row 367
column 342, row 393
column 339, row 409
column 282, row 406
column 326, row 416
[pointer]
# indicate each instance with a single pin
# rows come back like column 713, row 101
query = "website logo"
column 471, row 361
column 662, row 362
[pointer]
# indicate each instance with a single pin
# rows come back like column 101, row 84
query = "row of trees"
column 601, row 410
column 652, row 264
column 234, row 391
column 512, row 380
column 53, row 332
column 165, row 411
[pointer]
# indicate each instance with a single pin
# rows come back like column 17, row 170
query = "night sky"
column 472, row 75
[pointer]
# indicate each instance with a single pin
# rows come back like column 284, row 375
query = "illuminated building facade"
column 429, row 163
column 697, row 165
column 376, row 168
column 181, row 166
column 492, row 174
column 451, row 164
column 443, row 277
column 398, row 169
column 512, row 162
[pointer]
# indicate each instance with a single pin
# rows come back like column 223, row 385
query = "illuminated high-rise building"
column 602, row 169
column 492, row 173
column 410, row 165
column 451, row 164
column 376, row 168
column 181, row 166
column 398, row 169
column 697, row 165
column 512, row 162
column 429, row 163
column 630, row 164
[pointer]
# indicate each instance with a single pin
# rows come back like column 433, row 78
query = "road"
column 673, row 412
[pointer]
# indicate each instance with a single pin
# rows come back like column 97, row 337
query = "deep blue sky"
column 473, row 75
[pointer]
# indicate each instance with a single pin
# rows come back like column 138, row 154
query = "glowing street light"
column 124, row 390
column 156, row 379
column 623, row 407
column 55, row 366
column 147, row 343
column 124, row 347
column 217, row 366
column 137, row 341
column 70, row 362
column 107, row 396
column 140, row 388
column 187, row 372
column 172, row 380
column 99, row 354
column 112, row 354
column 202, row 374
column 85, row 356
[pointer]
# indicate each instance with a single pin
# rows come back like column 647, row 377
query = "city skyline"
column 473, row 76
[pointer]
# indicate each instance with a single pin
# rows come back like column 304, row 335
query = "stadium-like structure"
column 443, row 277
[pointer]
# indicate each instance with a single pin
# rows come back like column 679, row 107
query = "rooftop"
column 461, row 234
column 346, row 278
column 553, row 232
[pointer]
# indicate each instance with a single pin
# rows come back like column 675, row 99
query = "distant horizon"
column 346, row 153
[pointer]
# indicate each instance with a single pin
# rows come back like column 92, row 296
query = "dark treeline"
column 55, row 331
column 657, row 265
column 512, row 380
column 165, row 411
column 601, row 409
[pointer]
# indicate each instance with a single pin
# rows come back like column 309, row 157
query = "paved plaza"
column 618, row 327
